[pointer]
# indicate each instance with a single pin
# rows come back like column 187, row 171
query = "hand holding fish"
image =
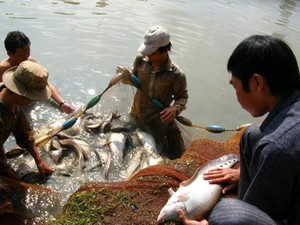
column 168, row 115
column 228, row 176
column 186, row 221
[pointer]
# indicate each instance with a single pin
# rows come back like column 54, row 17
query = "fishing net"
column 139, row 200
column 119, row 98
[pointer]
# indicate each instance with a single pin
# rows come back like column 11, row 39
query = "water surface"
column 82, row 42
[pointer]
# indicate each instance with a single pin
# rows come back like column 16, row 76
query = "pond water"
column 81, row 43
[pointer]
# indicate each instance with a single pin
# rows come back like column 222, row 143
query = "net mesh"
column 119, row 99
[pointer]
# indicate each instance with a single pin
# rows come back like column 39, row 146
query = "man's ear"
column 258, row 82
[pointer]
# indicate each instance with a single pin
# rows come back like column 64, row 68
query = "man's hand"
column 125, row 71
column 228, row 176
column 168, row 115
column 67, row 108
column 44, row 169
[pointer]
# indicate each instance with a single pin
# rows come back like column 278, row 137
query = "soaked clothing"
column 270, row 168
column 168, row 86
column 17, row 124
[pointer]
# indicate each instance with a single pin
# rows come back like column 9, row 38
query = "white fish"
column 28, row 171
column 135, row 163
column 78, row 150
column 145, row 154
column 117, row 143
column 147, row 141
column 195, row 196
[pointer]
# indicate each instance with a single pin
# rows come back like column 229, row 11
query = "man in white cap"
column 23, row 85
column 162, row 91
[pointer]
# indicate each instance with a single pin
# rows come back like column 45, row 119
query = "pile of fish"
column 108, row 145
column 196, row 196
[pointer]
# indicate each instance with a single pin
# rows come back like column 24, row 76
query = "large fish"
column 149, row 145
column 28, row 171
column 118, row 145
column 79, row 150
column 104, row 125
column 135, row 163
column 147, row 141
column 144, row 154
column 195, row 196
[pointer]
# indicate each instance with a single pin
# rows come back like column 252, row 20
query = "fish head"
column 28, row 175
column 170, row 213
column 23, row 170
column 227, row 161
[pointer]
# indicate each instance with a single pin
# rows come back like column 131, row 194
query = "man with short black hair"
column 17, row 45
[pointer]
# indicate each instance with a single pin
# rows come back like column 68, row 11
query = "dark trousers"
column 167, row 137
column 236, row 211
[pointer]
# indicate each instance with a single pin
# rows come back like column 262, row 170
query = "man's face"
column 253, row 100
column 155, row 56
column 21, row 54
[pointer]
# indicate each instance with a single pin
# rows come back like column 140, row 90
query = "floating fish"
column 92, row 123
column 28, row 171
column 106, row 125
column 80, row 152
column 118, row 145
column 143, row 155
column 147, row 141
column 136, row 163
column 196, row 196
column 149, row 146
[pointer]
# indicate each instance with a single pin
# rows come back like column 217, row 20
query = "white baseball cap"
column 155, row 37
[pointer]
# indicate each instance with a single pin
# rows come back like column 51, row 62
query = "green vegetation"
column 102, row 207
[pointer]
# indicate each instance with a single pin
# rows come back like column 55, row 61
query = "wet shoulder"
column 4, row 65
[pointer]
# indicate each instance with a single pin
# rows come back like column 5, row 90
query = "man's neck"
column 157, row 65
column 11, row 62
